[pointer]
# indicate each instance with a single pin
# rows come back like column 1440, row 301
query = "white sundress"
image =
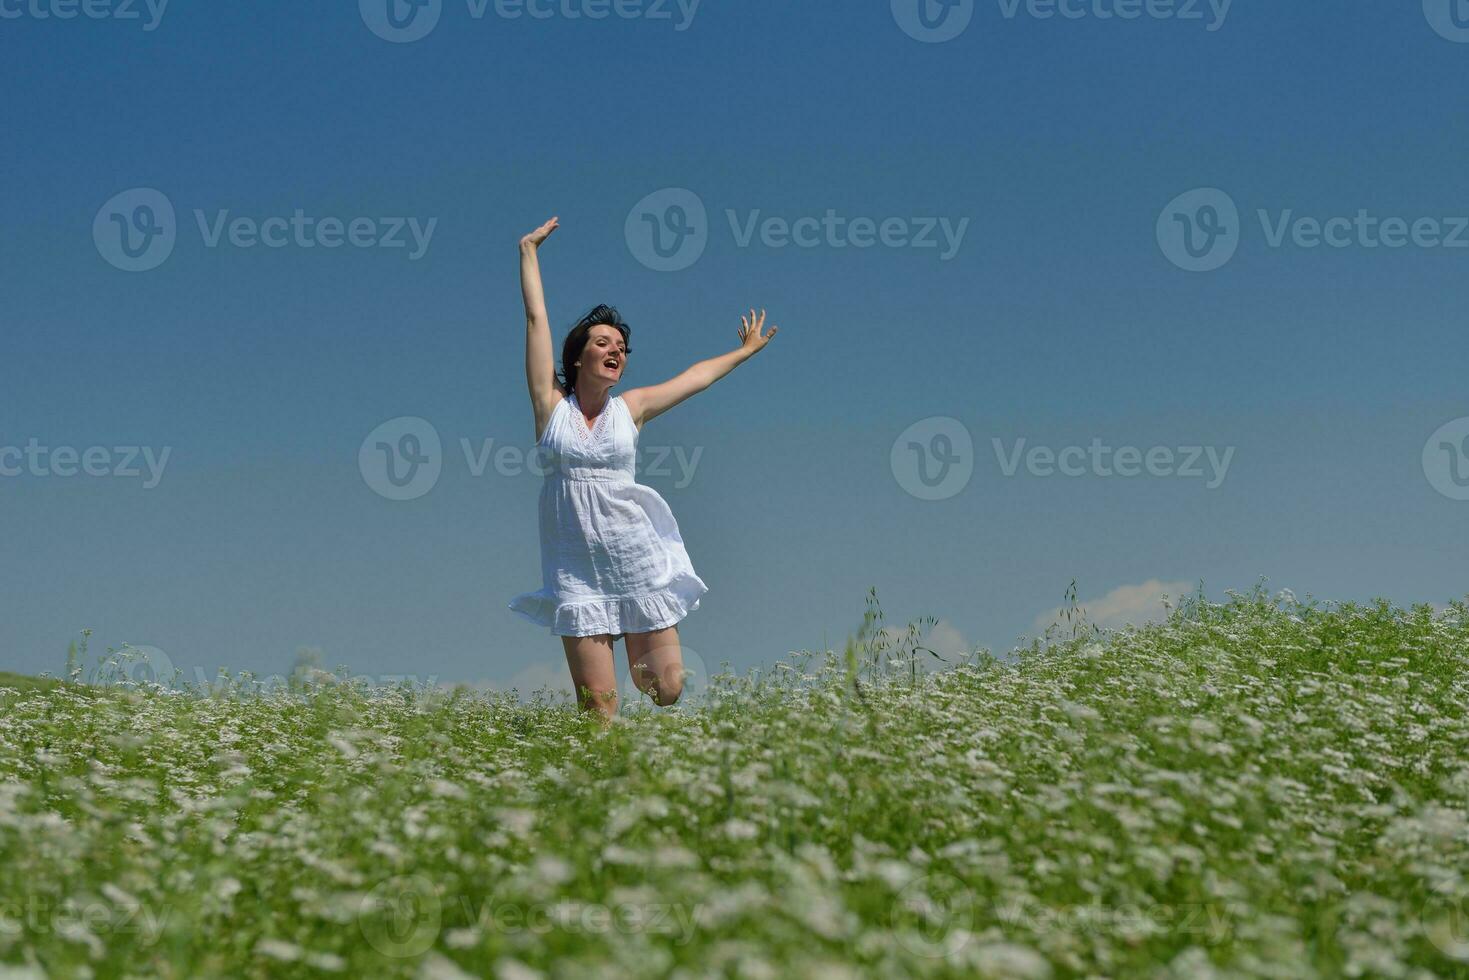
column 612, row 558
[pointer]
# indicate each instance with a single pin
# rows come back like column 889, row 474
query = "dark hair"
column 576, row 340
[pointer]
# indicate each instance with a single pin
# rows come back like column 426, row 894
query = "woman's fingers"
column 541, row 233
column 752, row 325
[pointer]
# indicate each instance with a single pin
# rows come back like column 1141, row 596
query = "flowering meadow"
column 1255, row 788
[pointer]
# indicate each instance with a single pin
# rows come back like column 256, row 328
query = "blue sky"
column 1058, row 151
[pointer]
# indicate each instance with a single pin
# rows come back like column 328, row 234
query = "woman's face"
column 605, row 355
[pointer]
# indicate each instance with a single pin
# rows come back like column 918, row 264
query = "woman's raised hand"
column 534, row 239
column 750, row 335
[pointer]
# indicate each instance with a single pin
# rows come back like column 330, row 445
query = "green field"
column 20, row 682
column 1260, row 787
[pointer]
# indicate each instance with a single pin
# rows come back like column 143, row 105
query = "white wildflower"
column 1011, row 960
column 552, row 869
column 512, row 969
column 279, row 949
column 737, row 829
column 444, row 788
column 328, row 962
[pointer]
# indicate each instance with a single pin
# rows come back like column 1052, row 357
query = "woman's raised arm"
column 649, row 402
column 540, row 364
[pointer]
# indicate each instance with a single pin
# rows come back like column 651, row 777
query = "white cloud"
column 1124, row 605
column 946, row 640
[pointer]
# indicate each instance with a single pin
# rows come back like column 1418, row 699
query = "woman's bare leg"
column 592, row 672
column 656, row 660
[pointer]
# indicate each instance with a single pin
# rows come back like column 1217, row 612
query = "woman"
column 612, row 561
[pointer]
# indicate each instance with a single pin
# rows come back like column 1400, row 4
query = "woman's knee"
column 663, row 686
column 669, row 688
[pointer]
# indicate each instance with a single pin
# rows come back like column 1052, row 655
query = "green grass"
column 20, row 682
column 1260, row 787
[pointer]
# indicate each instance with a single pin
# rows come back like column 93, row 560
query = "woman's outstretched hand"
column 534, row 239
column 750, row 336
